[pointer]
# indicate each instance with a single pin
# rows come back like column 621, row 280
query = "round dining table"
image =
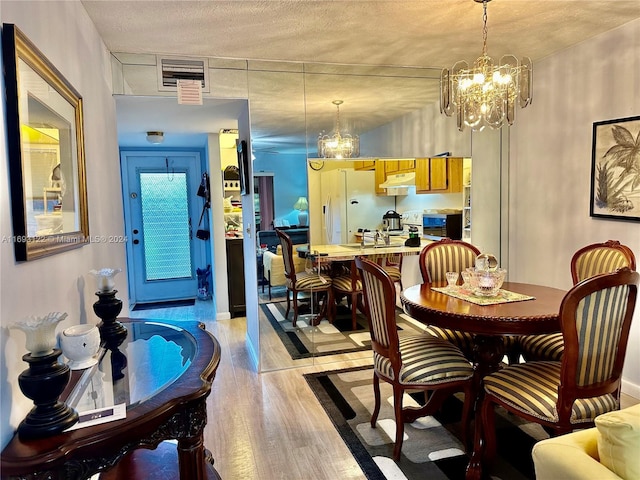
column 489, row 324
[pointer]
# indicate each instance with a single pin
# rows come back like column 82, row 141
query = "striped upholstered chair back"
column 444, row 256
column 591, row 260
column 379, row 300
column 600, row 258
column 595, row 319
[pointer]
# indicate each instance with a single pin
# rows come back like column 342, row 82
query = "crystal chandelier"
column 338, row 145
column 486, row 94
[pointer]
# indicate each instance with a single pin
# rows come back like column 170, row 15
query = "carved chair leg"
column 286, row 314
column 376, row 396
column 295, row 306
column 397, row 407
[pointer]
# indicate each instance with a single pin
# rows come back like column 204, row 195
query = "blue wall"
column 289, row 181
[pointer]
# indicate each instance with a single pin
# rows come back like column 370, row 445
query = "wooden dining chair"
column 349, row 284
column 309, row 282
column 595, row 318
column 436, row 259
column 591, row 260
column 411, row 362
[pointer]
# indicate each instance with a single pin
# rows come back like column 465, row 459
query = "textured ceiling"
column 425, row 34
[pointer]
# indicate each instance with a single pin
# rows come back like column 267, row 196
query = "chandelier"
column 338, row 145
column 486, row 94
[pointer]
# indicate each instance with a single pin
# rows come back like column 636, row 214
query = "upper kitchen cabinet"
column 387, row 167
column 399, row 166
column 364, row 165
column 438, row 175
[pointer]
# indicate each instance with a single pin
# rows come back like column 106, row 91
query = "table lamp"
column 302, row 205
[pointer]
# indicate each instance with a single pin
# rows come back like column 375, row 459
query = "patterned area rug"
column 431, row 448
column 304, row 340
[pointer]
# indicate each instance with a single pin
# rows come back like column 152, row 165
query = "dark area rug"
column 173, row 303
column 431, row 448
column 304, row 340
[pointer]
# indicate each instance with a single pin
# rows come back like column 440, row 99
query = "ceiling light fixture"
column 338, row 145
column 155, row 137
column 486, row 94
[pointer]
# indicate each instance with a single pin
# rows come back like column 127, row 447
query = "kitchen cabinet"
column 364, row 165
column 393, row 167
column 381, row 177
column 438, row 175
column 385, row 168
column 235, row 275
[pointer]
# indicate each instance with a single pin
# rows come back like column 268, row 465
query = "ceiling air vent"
column 172, row 69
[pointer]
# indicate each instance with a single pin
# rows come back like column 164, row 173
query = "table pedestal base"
column 159, row 463
column 488, row 353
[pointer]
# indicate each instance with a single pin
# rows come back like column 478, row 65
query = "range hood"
column 399, row 183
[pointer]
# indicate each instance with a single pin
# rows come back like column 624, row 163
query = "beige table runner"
column 503, row 296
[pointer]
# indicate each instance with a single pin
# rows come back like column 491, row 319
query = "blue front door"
column 162, row 212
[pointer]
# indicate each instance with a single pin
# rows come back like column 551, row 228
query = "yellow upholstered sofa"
column 610, row 450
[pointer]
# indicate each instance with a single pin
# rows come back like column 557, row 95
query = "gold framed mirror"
column 45, row 144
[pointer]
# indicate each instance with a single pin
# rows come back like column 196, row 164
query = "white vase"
column 40, row 332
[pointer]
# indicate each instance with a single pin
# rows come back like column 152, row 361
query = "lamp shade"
column 301, row 204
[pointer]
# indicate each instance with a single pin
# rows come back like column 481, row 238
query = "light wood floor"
column 270, row 426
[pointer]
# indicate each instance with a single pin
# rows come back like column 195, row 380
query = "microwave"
column 442, row 225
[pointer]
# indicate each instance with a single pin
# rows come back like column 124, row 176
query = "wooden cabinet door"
column 406, row 165
column 390, row 166
column 438, row 174
column 454, row 175
column 422, row 175
column 381, row 177
column 364, row 165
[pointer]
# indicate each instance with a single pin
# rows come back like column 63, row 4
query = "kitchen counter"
column 410, row 259
column 350, row 250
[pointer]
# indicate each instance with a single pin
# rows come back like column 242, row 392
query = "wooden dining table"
column 488, row 324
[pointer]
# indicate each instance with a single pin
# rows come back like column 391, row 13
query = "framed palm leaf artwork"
column 615, row 169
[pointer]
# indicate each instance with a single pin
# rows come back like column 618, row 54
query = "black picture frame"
column 45, row 145
column 615, row 169
column 243, row 166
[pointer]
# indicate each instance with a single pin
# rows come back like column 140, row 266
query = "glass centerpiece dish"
column 486, row 283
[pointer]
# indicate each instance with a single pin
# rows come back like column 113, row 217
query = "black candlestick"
column 43, row 382
column 108, row 307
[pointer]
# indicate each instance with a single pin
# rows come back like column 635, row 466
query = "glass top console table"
column 161, row 375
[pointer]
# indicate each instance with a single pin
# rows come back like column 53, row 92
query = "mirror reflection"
column 45, row 150
column 47, row 193
column 414, row 174
column 48, row 141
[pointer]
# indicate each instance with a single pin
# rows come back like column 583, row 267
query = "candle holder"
column 44, row 380
column 107, row 308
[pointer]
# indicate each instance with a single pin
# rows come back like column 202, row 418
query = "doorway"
column 162, row 213
column 263, row 200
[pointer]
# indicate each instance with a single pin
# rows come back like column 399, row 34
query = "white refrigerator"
column 349, row 203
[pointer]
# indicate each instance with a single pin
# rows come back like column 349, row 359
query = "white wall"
column 66, row 36
column 550, row 163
